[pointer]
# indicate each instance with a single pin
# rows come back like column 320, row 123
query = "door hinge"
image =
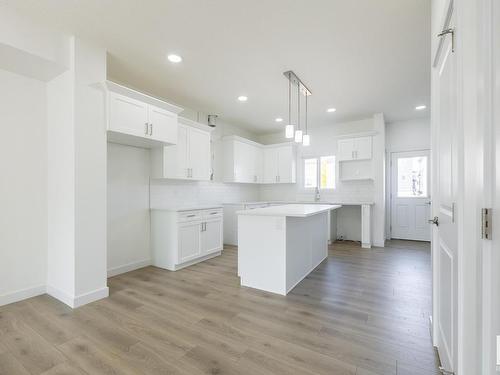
column 486, row 223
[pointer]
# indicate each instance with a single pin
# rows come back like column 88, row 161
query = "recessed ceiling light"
column 278, row 119
column 331, row 110
column 174, row 58
column 420, row 107
column 242, row 98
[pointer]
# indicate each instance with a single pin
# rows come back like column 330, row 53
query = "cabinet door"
column 258, row 164
column 127, row 115
column 211, row 236
column 363, row 148
column 243, row 163
column 163, row 125
column 270, row 165
column 189, row 236
column 175, row 158
column 345, row 149
column 286, row 164
column 199, row 154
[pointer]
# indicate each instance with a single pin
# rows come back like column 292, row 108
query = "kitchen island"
column 280, row 245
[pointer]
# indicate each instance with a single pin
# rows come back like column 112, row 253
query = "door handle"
column 146, row 127
column 150, row 129
column 434, row 221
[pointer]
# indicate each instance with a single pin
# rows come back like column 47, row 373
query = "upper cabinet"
column 279, row 164
column 189, row 158
column 355, row 158
column 246, row 161
column 243, row 160
column 359, row 148
column 139, row 120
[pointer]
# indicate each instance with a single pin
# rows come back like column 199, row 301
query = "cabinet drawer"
column 186, row 216
column 216, row 212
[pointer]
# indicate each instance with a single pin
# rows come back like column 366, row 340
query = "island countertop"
column 291, row 210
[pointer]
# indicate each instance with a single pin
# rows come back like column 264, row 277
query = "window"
column 412, row 177
column 319, row 172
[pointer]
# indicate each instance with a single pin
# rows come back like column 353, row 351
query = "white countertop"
column 345, row 203
column 187, row 208
column 291, row 210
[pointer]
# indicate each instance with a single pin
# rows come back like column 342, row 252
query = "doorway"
column 410, row 195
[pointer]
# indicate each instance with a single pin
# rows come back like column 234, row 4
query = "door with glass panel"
column 410, row 199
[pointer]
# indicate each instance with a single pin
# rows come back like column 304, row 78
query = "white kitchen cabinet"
column 242, row 160
column 189, row 159
column 139, row 120
column 358, row 148
column 279, row 164
column 183, row 238
column 189, row 241
column 211, row 236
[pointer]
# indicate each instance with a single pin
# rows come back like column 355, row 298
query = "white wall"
column 411, row 135
column 324, row 142
column 23, row 187
column 128, row 208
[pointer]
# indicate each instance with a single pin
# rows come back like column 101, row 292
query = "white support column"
column 366, row 237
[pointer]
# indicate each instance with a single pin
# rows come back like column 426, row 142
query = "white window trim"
column 318, row 174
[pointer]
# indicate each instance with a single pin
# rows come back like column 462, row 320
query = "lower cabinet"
column 182, row 238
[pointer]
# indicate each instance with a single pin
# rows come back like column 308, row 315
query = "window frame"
column 318, row 173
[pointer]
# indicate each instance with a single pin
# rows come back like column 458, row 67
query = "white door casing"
column 445, row 192
column 410, row 214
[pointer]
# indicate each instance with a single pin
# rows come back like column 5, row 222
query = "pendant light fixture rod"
column 289, row 100
column 306, row 114
column 298, row 107
column 294, row 79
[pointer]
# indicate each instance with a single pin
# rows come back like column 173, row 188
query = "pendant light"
column 298, row 132
column 289, row 128
column 306, row 141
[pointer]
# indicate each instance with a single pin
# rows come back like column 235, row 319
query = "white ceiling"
column 361, row 57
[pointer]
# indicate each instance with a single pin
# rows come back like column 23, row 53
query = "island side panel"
column 261, row 252
column 307, row 246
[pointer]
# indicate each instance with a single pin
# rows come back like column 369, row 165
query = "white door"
column 189, row 241
column 163, row 125
column 243, row 162
column 199, row 154
column 410, row 195
column 444, row 196
column 211, row 236
column 127, row 115
column 175, row 158
column 286, row 163
column 271, row 165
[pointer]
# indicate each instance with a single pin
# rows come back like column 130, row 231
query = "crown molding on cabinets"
column 357, row 135
column 131, row 93
column 195, row 124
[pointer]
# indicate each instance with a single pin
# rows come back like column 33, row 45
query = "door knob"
column 434, row 221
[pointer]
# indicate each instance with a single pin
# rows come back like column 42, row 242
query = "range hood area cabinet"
column 355, row 158
column 246, row 161
column 189, row 158
column 137, row 119
column 243, row 160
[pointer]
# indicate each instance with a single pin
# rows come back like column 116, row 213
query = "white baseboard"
column 60, row 295
column 128, row 267
column 19, row 295
column 77, row 301
column 89, row 297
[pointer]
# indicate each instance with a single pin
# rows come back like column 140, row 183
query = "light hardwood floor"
column 361, row 312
